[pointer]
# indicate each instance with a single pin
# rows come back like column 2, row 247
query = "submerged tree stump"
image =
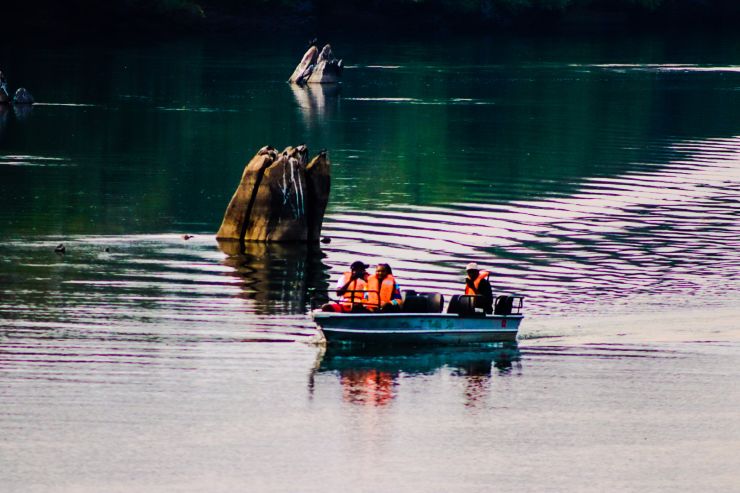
column 281, row 198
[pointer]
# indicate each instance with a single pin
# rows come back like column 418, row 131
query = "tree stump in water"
column 281, row 198
column 317, row 68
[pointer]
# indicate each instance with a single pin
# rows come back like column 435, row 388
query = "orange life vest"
column 358, row 286
column 386, row 289
column 481, row 275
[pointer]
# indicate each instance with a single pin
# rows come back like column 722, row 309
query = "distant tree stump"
column 317, row 68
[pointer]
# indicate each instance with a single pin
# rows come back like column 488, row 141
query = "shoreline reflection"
column 371, row 376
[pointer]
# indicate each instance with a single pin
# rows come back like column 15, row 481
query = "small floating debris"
column 187, row 237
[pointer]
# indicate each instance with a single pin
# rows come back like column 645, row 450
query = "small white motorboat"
column 424, row 323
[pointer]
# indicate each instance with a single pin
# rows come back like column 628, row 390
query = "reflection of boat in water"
column 371, row 376
column 467, row 360
column 462, row 325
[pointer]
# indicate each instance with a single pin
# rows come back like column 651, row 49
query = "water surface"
column 600, row 180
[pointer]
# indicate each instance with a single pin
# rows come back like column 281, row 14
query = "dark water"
column 600, row 179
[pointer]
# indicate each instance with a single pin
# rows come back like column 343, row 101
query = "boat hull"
column 416, row 329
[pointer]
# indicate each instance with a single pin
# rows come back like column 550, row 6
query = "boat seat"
column 465, row 305
column 414, row 302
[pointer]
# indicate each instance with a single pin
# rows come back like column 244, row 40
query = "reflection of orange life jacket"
column 358, row 286
column 481, row 275
column 370, row 387
column 387, row 289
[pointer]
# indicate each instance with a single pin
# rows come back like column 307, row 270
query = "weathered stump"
column 317, row 68
column 305, row 67
column 280, row 198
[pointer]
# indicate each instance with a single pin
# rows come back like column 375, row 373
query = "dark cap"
column 357, row 265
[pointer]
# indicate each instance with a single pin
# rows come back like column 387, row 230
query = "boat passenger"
column 476, row 283
column 383, row 292
column 351, row 286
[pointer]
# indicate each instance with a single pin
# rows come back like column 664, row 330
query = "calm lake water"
column 598, row 178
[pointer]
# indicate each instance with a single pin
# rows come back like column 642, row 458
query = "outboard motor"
column 414, row 302
column 503, row 305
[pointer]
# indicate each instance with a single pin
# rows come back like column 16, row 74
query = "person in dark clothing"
column 4, row 87
column 476, row 283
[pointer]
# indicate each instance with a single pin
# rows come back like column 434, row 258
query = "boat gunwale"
column 320, row 314
column 419, row 331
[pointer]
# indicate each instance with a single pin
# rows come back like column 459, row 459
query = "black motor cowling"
column 414, row 302
column 503, row 305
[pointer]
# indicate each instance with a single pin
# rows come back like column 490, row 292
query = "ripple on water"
column 35, row 161
column 672, row 229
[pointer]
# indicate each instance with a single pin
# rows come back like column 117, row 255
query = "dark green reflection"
column 464, row 359
column 276, row 276
column 154, row 139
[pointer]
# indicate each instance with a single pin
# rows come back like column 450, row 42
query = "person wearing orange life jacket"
column 476, row 283
column 351, row 286
column 382, row 292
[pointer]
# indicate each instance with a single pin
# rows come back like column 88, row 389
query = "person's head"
column 358, row 267
column 382, row 271
column 472, row 270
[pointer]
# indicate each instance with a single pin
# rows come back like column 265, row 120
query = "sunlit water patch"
column 197, row 109
column 417, row 101
column 657, row 67
column 69, row 105
column 35, row 161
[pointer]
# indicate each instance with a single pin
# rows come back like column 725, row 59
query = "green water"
column 153, row 138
